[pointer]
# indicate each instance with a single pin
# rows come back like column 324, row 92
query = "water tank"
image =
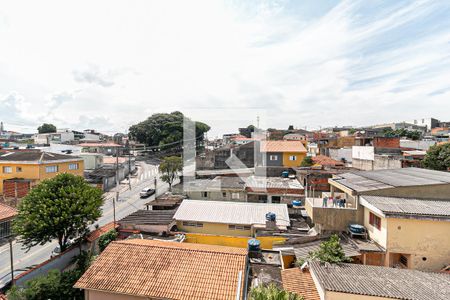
column 270, row 216
column 285, row 174
column 296, row 203
column 254, row 245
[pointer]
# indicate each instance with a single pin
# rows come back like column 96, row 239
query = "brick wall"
column 386, row 142
column 9, row 188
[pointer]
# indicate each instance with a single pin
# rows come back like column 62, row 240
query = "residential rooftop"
column 282, row 146
column 7, row 212
column 101, row 231
column 216, row 184
column 381, row 281
column 231, row 212
column 35, row 156
column 226, row 172
column 109, row 145
column 167, row 270
column 149, row 217
column 300, row 282
column 407, row 207
column 274, row 184
column 383, row 179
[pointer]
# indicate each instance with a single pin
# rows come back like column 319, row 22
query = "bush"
column 272, row 292
column 107, row 238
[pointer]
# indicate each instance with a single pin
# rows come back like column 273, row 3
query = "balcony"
column 350, row 202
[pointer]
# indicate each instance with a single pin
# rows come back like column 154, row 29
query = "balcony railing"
column 319, row 202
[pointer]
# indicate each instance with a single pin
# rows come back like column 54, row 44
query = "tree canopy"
column 272, row 292
column 107, row 238
column 307, row 162
column 61, row 207
column 411, row 134
column 329, row 251
column 161, row 129
column 170, row 168
column 46, row 128
column 438, row 157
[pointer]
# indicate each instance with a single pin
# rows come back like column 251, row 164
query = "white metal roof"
column 231, row 212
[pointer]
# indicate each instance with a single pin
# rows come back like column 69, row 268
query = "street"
column 129, row 201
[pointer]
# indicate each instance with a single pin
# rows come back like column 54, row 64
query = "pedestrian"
column 344, row 202
column 325, row 201
column 336, row 201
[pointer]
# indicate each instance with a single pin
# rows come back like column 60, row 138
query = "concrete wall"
column 213, row 228
column 421, row 145
column 339, row 154
column 378, row 235
column 267, row 242
column 427, row 242
column 363, row 152
column 380, row 162
column 274, row 163
column 362, row 164
column 218, row 195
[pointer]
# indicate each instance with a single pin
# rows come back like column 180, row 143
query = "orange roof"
column 326, row 161
column 300, row 282
column 7, row 212
column 282, row 146
column 100, row 231
column 113, row 160
column 160, row 269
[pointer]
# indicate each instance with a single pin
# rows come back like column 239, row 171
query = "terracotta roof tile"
column 300, row 282
column 160, row 269
column 326, row 161
column 7, row 211
column 100, row 231
column 282, row 146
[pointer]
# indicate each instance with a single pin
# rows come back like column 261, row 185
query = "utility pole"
column 129, row 164
column 155, row 181
column 11, row 239
column 117, row 186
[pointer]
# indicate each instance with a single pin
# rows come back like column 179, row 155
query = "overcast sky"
column 109, row 64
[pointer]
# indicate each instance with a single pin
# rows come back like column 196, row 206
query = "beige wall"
column 422, row 239
column 213, row 228
column 378, row 235
column 97, row 295
column 345, row 296
column 217, row 195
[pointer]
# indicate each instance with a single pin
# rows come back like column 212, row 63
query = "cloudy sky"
column 109, row 64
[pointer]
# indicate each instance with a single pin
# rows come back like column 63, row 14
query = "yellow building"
column 414, row 232
column 229, row 218
column 21, row 170
column 358, row 282
column 283, row 153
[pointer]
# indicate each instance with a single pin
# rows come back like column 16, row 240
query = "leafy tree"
column 161, row 129
column 54, row 285
column 247, row 131
column 106, row 238
column 170, row 167
column 307, row 162
column 329, row 251
column 47, row 128
column 62, row 207
column 272, row 292
column 438, row 157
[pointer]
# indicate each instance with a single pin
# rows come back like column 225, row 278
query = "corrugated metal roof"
column 272, row 183
column 382, row 281
column 383, row 179
column 302, row 251
column 149, row 217
column 408, row 206
column 231, row 212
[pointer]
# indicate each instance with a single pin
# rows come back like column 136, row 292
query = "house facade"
column 283, row 153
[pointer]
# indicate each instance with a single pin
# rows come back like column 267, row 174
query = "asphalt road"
column 129, row 201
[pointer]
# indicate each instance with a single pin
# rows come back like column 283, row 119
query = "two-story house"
column 286, row 154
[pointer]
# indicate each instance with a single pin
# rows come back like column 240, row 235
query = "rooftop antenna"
column 257, row 121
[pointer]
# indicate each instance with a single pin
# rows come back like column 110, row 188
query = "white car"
column 147, row 192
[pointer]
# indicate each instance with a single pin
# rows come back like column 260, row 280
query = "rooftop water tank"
column 270, row 216
column 254, row 245
column 285, row 174
column 296, row 203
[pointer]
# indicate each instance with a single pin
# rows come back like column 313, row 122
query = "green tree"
column 438, row 157
column 307, row 162
column 55, row 285
column 329, row 251
column 161, row 129
column 272, row 292
column 106, row 238
column 170, row 168
column 47, row 128
column 62, row 207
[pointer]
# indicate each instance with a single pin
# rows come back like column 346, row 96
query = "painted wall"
column 213, row 228
column 378, row 235
column 363, row 152
column 422, row 239
column 218, row 195
column 37, row 171
column 97, row 295
column 274, row 163
column 293, row 163
column 267, row 242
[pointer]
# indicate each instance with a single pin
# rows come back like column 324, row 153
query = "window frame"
column 273, row 157
column 52, row 166
column 375, row 220
column 204, row 194
column 193, row 224
column 292, row 157
column 19, row 170
column 77, row 167
column 5, row 168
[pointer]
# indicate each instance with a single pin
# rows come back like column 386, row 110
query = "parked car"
column 147, row 192
column 57, row 250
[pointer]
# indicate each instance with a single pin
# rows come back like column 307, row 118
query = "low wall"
column 267, row 242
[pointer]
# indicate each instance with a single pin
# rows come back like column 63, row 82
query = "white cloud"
column 109, row 64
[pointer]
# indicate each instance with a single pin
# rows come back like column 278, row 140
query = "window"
column 273, row 157
column 5, row 229
column 292, row 157
column 375, row 221
column 18, row 169
column 403, row 260
column 234, row 195
column 276, row 199
column 224, row 194
column 7, row 170
column 205, row 194
column 238, row 227
column 73, row 167
column 51, row 169
column 193, row 224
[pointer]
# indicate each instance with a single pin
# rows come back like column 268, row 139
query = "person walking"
column 325, row 201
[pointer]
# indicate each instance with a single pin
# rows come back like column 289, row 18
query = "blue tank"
column 296, row 203
column 270, row 216
column 285, row 174
column 254, row 245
